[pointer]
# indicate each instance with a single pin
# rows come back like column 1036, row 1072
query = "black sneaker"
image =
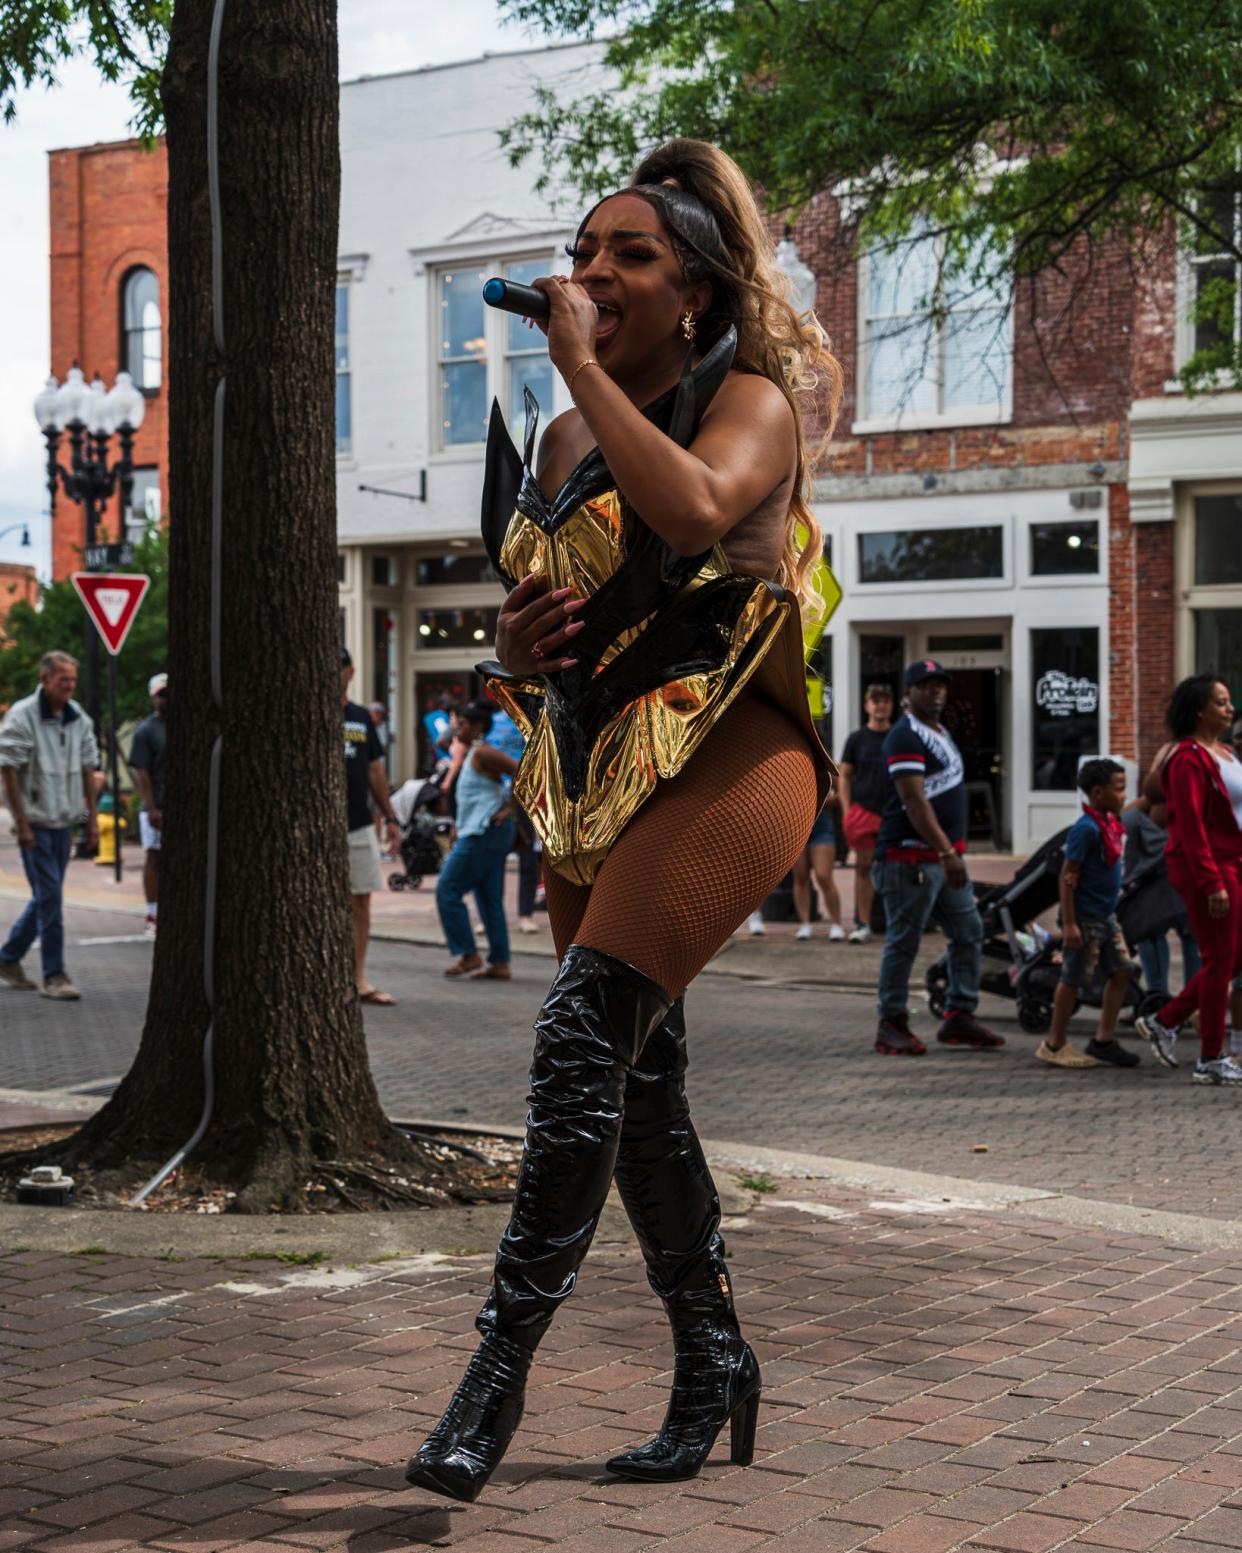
column 961, row 1029
column 1113, row 1051
column 895, row 1038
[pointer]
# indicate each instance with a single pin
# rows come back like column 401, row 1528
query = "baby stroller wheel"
column 1150, row 1003
column 1034, row 1017
column 399, row 882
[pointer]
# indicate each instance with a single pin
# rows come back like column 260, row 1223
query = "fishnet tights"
column 700, row 855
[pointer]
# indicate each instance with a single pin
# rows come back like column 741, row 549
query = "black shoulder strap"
column 502, row 478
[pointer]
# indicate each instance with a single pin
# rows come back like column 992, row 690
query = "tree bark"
column 293, row 1086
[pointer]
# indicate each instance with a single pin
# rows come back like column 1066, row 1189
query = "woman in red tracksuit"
column 1202, row 781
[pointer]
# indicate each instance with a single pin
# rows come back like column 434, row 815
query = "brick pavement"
column 933, row 1382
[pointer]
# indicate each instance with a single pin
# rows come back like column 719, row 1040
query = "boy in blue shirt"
column 1090, row 887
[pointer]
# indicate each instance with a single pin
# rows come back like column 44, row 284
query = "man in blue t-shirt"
column 1090, row 888
column 919, row 868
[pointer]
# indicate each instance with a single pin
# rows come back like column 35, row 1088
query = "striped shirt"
column 915, row 748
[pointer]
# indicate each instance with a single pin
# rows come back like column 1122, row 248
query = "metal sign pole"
column 116, row 784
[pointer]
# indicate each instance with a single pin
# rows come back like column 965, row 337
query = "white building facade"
column 430, row 207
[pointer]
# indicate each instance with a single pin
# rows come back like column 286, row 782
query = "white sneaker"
column 836, row 933
column 149, row 929
column 804, row 931
column 1221, row 1070
column 860, row 935
column 756, row 924
column 527, row 925
column 1162, row 1039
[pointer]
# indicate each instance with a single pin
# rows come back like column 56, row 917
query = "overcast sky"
column 377, row 36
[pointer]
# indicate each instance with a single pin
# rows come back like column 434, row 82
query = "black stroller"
column 1021, row 959
column 422, row 847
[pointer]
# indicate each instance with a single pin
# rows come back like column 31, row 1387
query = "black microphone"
column 510, row 297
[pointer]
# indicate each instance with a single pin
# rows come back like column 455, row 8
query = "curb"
column 473, row 1231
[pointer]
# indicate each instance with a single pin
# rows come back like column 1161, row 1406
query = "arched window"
column 140, row 329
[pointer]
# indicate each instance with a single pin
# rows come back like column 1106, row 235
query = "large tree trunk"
column 293, row 1088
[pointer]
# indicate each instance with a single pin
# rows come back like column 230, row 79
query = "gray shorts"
column 364, row 862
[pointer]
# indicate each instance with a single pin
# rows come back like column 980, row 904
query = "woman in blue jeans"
column 484, row 838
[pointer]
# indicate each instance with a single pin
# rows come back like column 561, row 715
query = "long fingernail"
column 569, row 663
column 578, row 625
column 574, row 604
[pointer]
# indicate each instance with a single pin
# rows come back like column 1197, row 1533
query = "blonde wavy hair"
column 709, row 210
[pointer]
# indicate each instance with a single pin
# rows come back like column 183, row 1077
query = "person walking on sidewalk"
column 48, row 756
column 818, row 857
column 1090, row 889
column 366, row 781
column 147, row 758
column 1202, row 782
column 485, row 833
column 919, row 868
column 864, row 789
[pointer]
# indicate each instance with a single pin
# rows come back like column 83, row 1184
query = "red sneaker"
column 895, row 1038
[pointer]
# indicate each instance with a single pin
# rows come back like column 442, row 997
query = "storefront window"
column 437, row 570
column 1065, row 549
column 473, row 628
column 932, row 555
column 1218, row 645
column 1218, row 540
column 1065, row 704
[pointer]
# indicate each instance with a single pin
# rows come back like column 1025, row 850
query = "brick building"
column 109, row 258
column 1022, row 493
column 18, row 585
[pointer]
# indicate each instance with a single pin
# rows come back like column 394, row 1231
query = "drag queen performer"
column 650, row 649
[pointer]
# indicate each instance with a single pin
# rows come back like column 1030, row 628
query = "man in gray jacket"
column 48, row 756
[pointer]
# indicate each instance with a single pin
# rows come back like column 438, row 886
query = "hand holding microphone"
column 511, row 297
column 560, row 307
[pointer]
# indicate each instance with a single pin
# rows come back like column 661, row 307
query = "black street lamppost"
column 90, row 414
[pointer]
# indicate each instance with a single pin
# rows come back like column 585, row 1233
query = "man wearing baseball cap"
column 919, row 867
column 147, row 756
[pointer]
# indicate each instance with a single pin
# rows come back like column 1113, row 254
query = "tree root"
column 386, row 1184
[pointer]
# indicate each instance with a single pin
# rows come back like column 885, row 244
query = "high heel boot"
column 672, row 1203
column 588, row 1035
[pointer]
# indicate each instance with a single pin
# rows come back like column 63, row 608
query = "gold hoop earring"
column 688, row 325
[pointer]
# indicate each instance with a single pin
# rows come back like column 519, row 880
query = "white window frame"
column 345, row 277
column 1027, row 577
column 1184, row 338
column 998, row 413
column 891, row 521
column 1188, row 596
column 495, row 354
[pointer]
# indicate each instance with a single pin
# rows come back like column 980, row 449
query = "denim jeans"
column 1154, row 957
column 476, row 863
column 908, row 905
column 45, row 866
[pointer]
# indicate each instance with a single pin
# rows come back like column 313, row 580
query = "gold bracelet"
column 589, row 362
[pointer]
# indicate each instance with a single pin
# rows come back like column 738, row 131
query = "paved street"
column 785, row 1065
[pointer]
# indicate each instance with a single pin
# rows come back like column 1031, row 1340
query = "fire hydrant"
column 111, row 827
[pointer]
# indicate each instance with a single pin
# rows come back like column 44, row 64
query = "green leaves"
column 59, row 622
column 127, row 40
column 1044, row 126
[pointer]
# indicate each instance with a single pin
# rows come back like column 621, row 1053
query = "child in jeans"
column 1090, row 887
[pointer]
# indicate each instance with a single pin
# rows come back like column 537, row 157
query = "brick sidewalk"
column 934, row 1380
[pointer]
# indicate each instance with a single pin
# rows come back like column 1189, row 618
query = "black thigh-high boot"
column 588, row 1035
column 672, row 1203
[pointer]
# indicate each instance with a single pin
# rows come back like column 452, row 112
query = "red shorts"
column 861, row 828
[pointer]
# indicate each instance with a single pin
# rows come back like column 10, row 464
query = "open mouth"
column 609, row 320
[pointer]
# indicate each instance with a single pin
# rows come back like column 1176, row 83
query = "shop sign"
column 1066, row 695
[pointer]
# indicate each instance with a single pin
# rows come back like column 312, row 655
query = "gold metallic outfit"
column 668, row 645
